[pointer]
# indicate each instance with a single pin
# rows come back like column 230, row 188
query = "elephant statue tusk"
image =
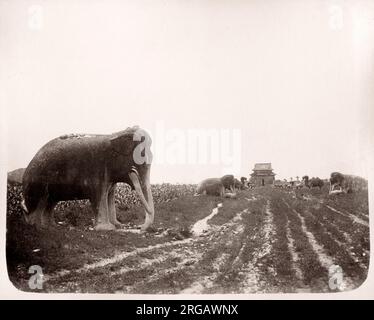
column 135, row 180
column 133, row 169
column 148, row 193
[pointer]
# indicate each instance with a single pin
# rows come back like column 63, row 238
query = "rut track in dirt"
column 353, row 217
column 328, row 243
column 223, row 237
column 183, row 254
column 223, row 246
column 294, row 254
column 252, row 275
column 217, row 251
column 265, row 241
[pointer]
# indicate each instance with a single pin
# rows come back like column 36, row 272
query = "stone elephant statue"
column 313, row 183
column 80, row 166
column 346, row 183
column 217, row 186
column 238, row 184
column 211, row 186
column 228, row 181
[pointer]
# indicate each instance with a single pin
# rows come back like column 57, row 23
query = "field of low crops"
column 266, row 240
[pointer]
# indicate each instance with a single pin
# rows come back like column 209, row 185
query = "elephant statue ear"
column 123, row 142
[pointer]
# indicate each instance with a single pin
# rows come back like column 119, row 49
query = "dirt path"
column 235, row 228
column 265, row 241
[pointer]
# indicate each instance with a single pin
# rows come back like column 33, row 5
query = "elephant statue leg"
column 222, row 191
column 47, row 216
column 112, row 207
column 100, row 207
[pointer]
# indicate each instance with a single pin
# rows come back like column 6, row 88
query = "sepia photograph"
column 187, row 147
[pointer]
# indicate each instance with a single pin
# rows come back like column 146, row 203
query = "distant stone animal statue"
column 346, row 183
column 238, row 184
column 316, row 183
column 211, row 186
column 228, row 182
column 313, row 183
column 80, row 166
column 305, row 181
column 218, row 186
column 278, row 184
column 251, row 185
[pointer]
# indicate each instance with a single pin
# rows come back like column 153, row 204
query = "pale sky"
column 295, row 78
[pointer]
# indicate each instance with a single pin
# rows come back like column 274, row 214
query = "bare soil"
column 266, row 240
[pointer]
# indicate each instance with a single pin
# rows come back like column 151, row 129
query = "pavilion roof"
column 263, row 166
